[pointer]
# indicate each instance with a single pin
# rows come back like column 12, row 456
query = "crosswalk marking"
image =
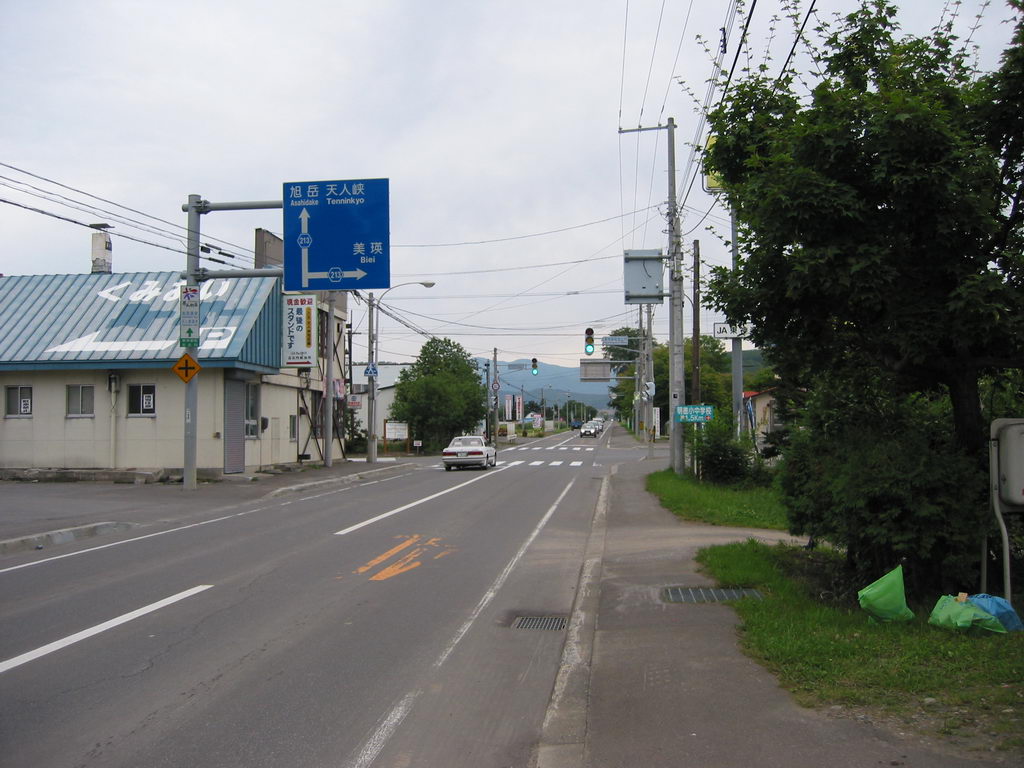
column 536, row 463
column 555, row 464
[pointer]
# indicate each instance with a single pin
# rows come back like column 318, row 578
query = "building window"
column 142, row 399
column 80, row 400
column 293, row 428
column 19, row 401
column 252, row 410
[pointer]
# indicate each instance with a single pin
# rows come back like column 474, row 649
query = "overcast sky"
column 495, row 121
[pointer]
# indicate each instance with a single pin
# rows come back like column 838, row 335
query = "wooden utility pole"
column 696, row 322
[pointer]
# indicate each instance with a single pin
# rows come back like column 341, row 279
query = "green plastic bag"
column 951, row 614
column 885, row 599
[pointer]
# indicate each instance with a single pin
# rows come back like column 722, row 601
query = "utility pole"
column 329, row 385
column 487, row 386
column 188, row 479
column 677, row 385
column 676, row 341
column 650, row 375
column 737, row 346
column 371, row 394
column 494, row 395
column 695, row 388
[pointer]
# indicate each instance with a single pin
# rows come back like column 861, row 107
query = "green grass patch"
column 692, row 499
column 967, row 688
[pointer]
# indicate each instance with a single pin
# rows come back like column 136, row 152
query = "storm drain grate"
column 706, row 594
column 540, row 622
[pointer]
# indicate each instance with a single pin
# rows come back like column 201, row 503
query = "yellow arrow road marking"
column 390, row 553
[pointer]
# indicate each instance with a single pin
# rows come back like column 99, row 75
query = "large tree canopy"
column 880, row 215
column 440, row 395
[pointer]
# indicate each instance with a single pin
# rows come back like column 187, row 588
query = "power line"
column 119, row 205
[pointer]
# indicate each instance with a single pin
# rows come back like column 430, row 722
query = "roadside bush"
column 884, row 482
column 722, row 458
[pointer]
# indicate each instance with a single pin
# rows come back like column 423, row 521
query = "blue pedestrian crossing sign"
column 337, row 235
column 370, row 372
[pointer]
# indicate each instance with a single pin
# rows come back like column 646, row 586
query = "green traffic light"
column 589, row 349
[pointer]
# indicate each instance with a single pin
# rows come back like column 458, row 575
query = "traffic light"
column 588, row 341
column 533, row 366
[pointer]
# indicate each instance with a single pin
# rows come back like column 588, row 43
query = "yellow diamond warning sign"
column 186, row 368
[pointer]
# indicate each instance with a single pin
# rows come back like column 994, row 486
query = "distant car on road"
column 590, row 429
column 469, row 451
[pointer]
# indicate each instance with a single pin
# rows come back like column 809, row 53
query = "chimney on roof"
column 101, row 251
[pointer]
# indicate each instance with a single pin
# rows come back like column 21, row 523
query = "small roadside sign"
column 186, row 367
column 726, row 331
column 370, row 371
column 189, row 310
column 615, row 341
column 694, row 414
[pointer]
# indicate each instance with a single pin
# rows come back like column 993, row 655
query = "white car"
column 469, row 451
column 590, row 429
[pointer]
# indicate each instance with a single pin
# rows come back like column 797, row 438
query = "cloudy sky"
column 496, row 122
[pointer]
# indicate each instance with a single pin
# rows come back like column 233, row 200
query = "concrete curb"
column 564, row 732
column 61, row 536
column 314, row 484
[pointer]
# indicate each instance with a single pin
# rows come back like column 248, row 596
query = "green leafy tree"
column 441, row 394
column 880, row 223
column 880, row 217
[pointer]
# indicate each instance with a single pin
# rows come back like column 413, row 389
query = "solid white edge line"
column 489, row 595
column 416, row 503
column 386, row 729
column 24, row 658
column 129, row 541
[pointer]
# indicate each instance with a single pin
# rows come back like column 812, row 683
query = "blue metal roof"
column 130, row 320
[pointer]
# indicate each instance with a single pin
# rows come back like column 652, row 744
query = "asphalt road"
column 368, row 623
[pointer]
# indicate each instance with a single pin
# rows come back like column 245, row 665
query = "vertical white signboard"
column 299, row 344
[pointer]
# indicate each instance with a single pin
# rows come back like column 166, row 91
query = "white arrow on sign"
column 334, row 275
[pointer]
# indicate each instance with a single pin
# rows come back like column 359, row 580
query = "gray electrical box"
column 643, row 277
column 1010, row 435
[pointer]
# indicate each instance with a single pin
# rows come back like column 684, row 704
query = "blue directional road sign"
column 337, row 235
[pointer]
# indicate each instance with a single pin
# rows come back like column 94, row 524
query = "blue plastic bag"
column 1001, row 609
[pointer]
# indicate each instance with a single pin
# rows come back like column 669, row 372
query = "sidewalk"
column 62, row 512
column 666, row 684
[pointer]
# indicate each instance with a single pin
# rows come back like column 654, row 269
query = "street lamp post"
column 373, row 323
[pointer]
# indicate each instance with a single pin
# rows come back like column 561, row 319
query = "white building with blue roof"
column 86, row 368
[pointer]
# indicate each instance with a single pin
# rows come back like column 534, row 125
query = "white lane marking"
column 129, row 541
column 577, row 448
column 555, row 464
column 575, row 463
column 538, row 449
column 536, row 463
column 416, row 503
column 387, row 727
column 589, row 449
column 502, row 578
column 378, row 740
column 514, row 463
column 24, row 658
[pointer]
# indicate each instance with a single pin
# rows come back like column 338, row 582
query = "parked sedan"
column 469, row 451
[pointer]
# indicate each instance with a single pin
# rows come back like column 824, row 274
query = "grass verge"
column 967, row 689
column 691, row 499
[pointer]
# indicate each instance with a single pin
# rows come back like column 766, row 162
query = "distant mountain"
column 553, row 382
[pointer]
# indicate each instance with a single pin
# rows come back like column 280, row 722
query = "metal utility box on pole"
column 652, row 294
column 1006, row 480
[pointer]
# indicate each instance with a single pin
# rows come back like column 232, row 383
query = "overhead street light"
column 371, row 353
